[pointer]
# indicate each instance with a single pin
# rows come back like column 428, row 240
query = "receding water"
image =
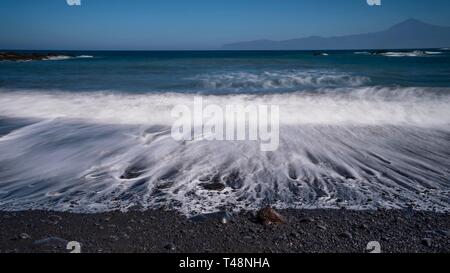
column 357, row 130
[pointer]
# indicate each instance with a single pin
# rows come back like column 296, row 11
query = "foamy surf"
column 359, row 148
column 282, row 79
column 65, row 57
column 415, row 53
column 341, row 106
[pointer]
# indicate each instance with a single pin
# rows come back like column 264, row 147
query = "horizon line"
column 216, row 50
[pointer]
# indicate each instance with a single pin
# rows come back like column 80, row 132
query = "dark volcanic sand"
column 161, row 231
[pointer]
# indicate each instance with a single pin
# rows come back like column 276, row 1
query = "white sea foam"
column 357, row 106
column 416, row 53
column 58, row 58
column 65, row 57
column 359, row 148
column 280, row 80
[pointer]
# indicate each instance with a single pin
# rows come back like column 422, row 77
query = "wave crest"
column 65, row 57
column 280, row 80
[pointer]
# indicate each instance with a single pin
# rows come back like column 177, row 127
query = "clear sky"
column 196, row 24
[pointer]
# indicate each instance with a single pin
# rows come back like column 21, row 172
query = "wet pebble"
column 268, row 215
column 170, row 247
column 346, row 235
column 427, row 242
column 306, row 220
column 54, row 219
column 321, row 227
column 51, row 242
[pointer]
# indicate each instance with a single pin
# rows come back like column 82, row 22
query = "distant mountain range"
column 411, row 33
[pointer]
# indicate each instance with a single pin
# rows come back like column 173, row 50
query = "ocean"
column 90, row 131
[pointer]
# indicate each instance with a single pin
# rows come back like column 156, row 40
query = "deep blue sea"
column 90, row 131
column 227, row 71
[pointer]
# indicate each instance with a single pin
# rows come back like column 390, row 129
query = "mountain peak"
column 413, row 21
column 411, row 33
column 410, row 23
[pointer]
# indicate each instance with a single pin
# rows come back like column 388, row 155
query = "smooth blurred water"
column 92, row 132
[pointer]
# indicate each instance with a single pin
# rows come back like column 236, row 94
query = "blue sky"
column 196, row 24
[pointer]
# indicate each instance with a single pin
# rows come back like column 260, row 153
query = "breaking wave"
column 415, row 53
column 339, row 106
column 273, row 80
column 65, row 57
column 359, row 148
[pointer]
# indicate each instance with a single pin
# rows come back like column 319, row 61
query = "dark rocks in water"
column 133, row 172
column 268, row 216
column 292, row 173
column 213, row 186
column 320, row 54
column 364, row 226
column 378, row 52
column 234, row 180
column 15, row 56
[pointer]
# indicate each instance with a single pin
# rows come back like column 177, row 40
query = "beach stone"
column 306, row 220
column 54, row 219
column 222, row 216
column 170, row 247
column 14, row 56
column 268, row 215
column 113, row 238
column 54, row 242
column 346, row 235
column 322, row 227
column 427, row 242
column 364, row 226
column 24, row 236
column 132, row 172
